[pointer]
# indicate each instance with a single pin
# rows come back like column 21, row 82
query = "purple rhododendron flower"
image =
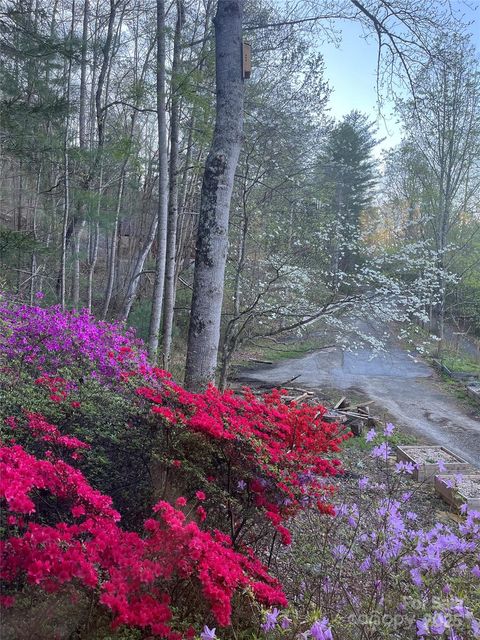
column 416, row 576
column 363, row 483
column 475, row 628
column 341, row 510
column 439, row 624
column 441, row 466
column 270, row 620
column 459, row 609
column 422, row 628
column 389, row 429
column 381, row 451
column 407, row 467
column 340, row 551
column 286, row 622
column 207, row 634
column 320, row 630
column 53, row 338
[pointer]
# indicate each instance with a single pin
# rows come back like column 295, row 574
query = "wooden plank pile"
column 356, row 418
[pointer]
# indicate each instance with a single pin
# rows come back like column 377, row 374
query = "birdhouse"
column 246, row 60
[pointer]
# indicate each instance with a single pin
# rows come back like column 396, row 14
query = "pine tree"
column 347, row 176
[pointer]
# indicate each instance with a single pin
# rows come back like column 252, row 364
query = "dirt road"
column 407, row 390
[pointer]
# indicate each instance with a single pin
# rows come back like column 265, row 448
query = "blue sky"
column 351, row 71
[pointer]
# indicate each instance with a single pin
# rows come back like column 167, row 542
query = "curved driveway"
column 407, row 391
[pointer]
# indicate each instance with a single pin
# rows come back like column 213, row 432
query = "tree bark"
column 230, row 337
column 212, row 238
column 172, row 194
column 92, row 260
column 101, row 113
column 66, row 181
column 83, row 77
column 76, row 265
column 78, row 232
column 162, row 214
column 113, row 252
column 137, row 270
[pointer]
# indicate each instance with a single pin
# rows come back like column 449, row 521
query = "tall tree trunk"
column 231, row 336
column 92, row 260
column 190, row 177
column 113, row 252
column 83, row 77
column 162, row 213
column 33, row 259
column 100, row 113
column 66, row 211
column 137, row 270
column 66, row 180
column 19, row 223
column 172, row 194
column 76, row 265
column 212, row 238
column 78, row 233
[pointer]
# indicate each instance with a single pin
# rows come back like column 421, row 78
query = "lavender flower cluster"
column 376, row 573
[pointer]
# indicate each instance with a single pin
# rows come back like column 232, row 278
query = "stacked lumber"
column 355, row 417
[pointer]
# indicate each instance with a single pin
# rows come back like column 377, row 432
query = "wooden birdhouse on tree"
column 246, row 60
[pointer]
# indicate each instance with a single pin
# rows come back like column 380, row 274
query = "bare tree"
column 217, row 187
column 444, row 126
column 158, row 289
column 172, row 191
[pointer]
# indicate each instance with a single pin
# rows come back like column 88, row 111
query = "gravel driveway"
column 405, row 390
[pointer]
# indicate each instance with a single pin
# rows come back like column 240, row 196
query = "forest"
column 108, row 117
column 179, row 198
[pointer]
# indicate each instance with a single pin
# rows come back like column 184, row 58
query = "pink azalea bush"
column 132, row 573
column 44, row 340
column 232, row 471
column 203, row 488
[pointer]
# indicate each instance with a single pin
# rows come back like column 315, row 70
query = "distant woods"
column 138, row 166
